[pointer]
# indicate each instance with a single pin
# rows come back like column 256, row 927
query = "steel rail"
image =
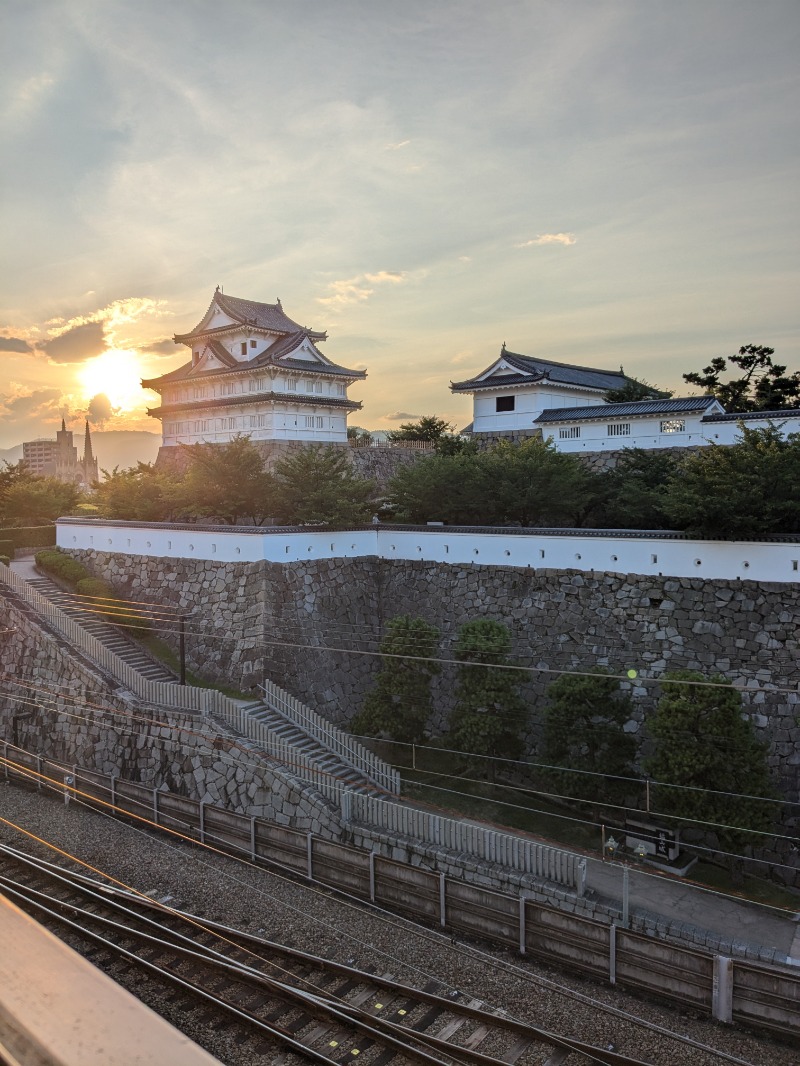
column 316, row 1002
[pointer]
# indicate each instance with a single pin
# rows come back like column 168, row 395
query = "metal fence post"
column 310, row 855
column 612, row 953
column 442, row 901
column 522, row 929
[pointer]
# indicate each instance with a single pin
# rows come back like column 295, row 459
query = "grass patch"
column 162, row 651
column 754, row 888
column 442, row 780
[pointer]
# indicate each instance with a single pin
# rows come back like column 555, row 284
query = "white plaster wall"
column 726, row 560
column 646, row 433
column 529, row 403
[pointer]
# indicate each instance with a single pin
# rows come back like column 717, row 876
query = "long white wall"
column 579, row 551
column 646, row 433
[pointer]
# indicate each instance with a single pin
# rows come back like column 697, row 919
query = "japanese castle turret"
column 253, row 371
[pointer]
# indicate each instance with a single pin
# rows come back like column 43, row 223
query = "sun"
column 118, row 374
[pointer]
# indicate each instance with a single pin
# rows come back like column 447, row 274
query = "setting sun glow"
column 116, row 373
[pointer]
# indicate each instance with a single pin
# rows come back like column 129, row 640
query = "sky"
column 604, row 183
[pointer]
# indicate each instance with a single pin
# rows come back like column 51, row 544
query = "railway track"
column 274, row 996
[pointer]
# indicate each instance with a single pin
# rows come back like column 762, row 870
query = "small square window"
column 252, row 344
column 505, row 403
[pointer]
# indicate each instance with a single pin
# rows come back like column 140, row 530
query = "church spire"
column 63, row 426
column 87, row 444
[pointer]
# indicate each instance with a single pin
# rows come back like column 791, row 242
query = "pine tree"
column 704, row 744
column 489, row 717
column 584, row 731
column 400, row 704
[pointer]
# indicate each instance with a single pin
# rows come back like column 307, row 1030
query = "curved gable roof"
column 531, row 370
column 269, row 317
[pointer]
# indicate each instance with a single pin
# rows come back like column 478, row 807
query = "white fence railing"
column 340, row 743
column 208, row 701
column 504, row 849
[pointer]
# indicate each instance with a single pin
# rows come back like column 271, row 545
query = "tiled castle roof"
column 605, row 411
column 532, row 370
column 262, row 316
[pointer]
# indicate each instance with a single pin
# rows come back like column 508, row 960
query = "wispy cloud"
column 24, row 404
column 114, row 318
column 398, row 416
column 14, row 344
column 358, row 289
column 394, row 147
column 548, row 238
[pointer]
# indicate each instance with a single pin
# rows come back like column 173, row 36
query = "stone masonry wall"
column 82, row 717
column 314, row 629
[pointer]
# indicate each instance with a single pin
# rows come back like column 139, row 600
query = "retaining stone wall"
column 82, row 717
column 311, row 628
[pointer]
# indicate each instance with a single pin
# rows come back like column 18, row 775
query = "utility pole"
column 182, row 632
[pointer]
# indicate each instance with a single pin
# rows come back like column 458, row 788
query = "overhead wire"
column 394, row 921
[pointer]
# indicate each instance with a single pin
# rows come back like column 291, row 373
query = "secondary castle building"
column 253, row 371
column 520, row 396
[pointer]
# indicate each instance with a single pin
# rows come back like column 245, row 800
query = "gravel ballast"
column 268, row 905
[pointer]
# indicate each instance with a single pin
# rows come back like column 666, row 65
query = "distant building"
column 253, row 371
column 522, row 396
column 59, row 458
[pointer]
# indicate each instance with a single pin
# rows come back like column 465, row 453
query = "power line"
column 392, row 920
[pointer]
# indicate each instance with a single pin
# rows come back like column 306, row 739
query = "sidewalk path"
column 678, row 900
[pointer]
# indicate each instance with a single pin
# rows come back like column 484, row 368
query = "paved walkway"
column 679, row 900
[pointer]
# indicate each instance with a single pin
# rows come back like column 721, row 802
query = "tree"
column 32, row 500
column 707, row 762
column 227, row 482
column 531, row 483
column 317, row 484
column 400, row 704
column 748, row 489
column 441, row 488
column 140, row 493
column 633, row 494
column 583, row 730
column 636, row 389
column 428, row 428
column 528, row 483
column 489, row 717
column 764, row 385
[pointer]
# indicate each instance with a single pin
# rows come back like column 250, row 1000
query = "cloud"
column 100, row 409
column 394, row 147
column 398, row 416
column 549, row 238
column 165, row 347
column 14, row 344
column 39, row 403
column 76, row 344
column 358, row 289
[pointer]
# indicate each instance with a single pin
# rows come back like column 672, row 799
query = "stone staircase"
column 111, row 636
column 313, row 753
column 289, row 732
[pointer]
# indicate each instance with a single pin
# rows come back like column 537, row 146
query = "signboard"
column 656, row 841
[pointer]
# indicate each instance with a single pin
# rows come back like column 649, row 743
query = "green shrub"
column 4, row 560
column 31, row 536
column 7, row 548
column 61, row 566
column 102, row 599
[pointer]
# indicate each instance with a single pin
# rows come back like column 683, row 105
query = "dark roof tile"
column 532, row 370
column 625, row 410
